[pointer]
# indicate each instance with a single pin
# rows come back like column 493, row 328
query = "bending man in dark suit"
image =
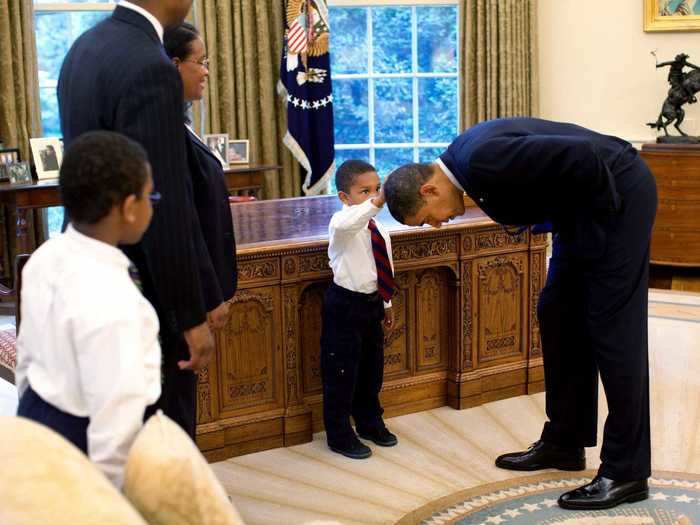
column 600, row 198
column 117, row 77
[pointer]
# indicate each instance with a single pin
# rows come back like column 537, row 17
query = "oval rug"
column 674, row 499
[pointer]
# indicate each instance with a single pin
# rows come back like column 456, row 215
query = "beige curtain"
column 498, row 70
column 244, row 43
column 19, row 104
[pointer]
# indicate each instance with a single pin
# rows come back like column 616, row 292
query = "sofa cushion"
column 168, row 480
column 8, row 349
column 46, row 480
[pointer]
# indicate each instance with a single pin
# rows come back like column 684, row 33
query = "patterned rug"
column 674, row 499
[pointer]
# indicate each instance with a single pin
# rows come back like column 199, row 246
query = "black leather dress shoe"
column 353, row 450
column 543, row 455
column 382, row 437
column 604, row 493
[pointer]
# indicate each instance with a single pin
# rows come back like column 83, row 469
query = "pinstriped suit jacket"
column 117, row 77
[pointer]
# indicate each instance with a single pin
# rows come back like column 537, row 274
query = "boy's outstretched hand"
column 379, row 200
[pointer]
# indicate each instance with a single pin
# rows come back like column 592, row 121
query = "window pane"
column 348, row 40
column 55, row 33
column 393, row 110
column 438, row 119
column 391, row 30
column 437, row 39
column 350, row 111
column 341, row 155
column 55, row 220
column 50, row 124
column 430, row 154
column 388, row 159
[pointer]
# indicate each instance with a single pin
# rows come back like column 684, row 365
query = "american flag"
column 305, row 82
column 296, row 38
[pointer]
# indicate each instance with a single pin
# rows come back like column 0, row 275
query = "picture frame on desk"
column 19, row 172
column 47, row 154
column 218, row 144
column 671, row 15
column 239, row 151
column 7, row 157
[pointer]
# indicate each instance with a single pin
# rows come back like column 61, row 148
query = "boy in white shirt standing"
column 88, row 352
column 356, row 314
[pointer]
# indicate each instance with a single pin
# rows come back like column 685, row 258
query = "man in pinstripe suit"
column 118, row 77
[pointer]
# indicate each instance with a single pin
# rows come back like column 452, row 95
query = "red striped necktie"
column 385, row 276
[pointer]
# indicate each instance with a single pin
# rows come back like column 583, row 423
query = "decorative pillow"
column 168, row 480
column 45, row 479
column 8, row 350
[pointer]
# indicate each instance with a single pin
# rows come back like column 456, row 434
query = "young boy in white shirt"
column 88, row 352
column 356, row 314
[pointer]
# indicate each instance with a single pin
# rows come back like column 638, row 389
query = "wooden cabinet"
column 676, row 236
column 465, row 326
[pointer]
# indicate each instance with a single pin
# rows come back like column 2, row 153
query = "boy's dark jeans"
column 352, row 363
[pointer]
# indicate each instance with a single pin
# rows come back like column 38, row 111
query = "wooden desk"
column 466, row 328
column 23, row 197
column 46, row 193
column 247, row 180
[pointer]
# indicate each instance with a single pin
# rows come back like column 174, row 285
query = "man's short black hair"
column 348, row 170
column 99, row 171
column 402, row 189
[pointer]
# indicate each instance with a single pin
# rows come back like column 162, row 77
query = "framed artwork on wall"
column 671, row 15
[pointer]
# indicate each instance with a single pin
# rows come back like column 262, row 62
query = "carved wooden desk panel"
column 466, row 330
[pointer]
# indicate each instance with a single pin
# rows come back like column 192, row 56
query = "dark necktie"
column 385, row 276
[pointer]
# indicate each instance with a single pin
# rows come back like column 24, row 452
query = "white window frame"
column 68, row 7
column 371, row 77
column 57, row 7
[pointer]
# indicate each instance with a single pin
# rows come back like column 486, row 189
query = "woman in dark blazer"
column 218, row 272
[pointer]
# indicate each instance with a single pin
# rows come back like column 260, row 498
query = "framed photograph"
column 47, row 154
column 19, row 172
column 238, row 151
column 218, row 144
column 7, row 156
column 671, row 15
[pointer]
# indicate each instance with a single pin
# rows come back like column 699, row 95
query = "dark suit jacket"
column 117, row 77
column 524, row 171
column 218, row 271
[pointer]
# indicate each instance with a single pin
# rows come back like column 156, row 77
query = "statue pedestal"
column 678, row 140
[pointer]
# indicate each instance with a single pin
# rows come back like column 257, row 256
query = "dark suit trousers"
column 593, row 316
column 352, row 363
column 178, row 399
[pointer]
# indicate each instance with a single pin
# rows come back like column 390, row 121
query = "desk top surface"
column 7, row 187
column 274, row 223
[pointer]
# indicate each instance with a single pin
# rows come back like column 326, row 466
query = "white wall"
column 596, row 69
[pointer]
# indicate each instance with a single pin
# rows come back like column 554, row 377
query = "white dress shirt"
column 88, row 342
column 148, row 16
column 350, row 248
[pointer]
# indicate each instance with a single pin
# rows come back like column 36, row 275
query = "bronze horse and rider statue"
column 684, row 86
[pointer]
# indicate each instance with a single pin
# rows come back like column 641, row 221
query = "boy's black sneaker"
column 381, row 437
column 354, row 450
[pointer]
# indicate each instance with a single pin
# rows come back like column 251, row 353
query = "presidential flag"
column 305, row 84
